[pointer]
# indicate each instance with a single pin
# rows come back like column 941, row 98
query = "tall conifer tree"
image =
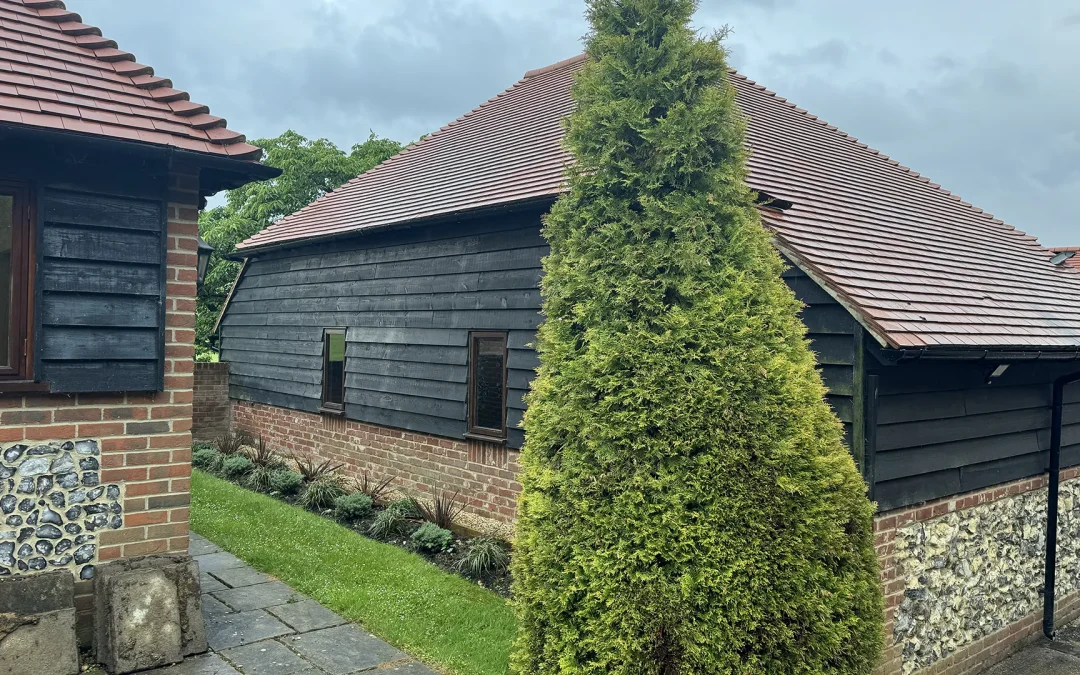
column 689, row 505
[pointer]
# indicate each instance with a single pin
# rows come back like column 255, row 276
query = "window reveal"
column 487, row 384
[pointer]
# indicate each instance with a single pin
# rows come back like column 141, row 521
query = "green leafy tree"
column 688, row 504
column 310, row 169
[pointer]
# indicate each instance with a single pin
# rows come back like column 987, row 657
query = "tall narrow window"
column 487, row 385
column 333, row 391
column 15, row 242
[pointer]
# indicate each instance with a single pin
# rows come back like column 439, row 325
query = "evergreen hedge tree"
column 689, row 505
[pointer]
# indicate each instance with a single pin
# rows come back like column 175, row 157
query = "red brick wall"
column 144, row 438
column 485, row 474
column 211, row 408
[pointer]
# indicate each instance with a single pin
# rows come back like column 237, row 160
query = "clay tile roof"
column 1074, row 261
column 57, row 72
column 915, row 264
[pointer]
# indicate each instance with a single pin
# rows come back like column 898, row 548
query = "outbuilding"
column 103, row 169
column 389, row 324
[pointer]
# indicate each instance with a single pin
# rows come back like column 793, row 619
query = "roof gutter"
column 933, row 354
column 1053, row 490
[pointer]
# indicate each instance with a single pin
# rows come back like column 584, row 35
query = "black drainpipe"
column 1052, row 501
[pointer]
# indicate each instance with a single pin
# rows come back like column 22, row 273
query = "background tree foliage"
column 309, row 170
column 689, row 505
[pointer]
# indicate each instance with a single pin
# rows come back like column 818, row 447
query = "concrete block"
column 43, row 644
column 37, row 624
column 148, row 612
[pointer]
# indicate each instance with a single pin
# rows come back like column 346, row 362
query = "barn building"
column 388, row 326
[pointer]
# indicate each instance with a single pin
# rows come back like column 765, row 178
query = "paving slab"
column 268, row 657
column 234, row 577
column 306, row 615
column 232, row 630
column 1040, row 660
column 207, row 664
column 209, row 583
column 222, row 560
column 211, row 606
column 198, row 545
column 259, row 596
column 344, row 649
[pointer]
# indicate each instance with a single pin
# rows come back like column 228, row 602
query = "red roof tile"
column 915, row 264
column 59, row 73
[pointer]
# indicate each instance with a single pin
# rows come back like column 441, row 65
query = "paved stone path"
column 257, row 625
column 1060, row 657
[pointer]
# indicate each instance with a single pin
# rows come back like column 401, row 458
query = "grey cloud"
column 830, row 53
column 1072, row 19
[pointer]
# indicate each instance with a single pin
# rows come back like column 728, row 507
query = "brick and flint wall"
column 962, row 575
column 110, row 471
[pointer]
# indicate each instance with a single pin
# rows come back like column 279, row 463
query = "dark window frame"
column 472, row 429
column 332, row 407
column 18, row 374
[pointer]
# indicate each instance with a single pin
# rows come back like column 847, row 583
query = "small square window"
column 487, row 385
column 333, row 392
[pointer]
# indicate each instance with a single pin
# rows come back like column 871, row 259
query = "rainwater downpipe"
column 1052, row 501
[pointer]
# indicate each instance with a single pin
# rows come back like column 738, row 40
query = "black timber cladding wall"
column 99, row 312
column 943, row 430
column 101, row 278
column 409, row 299
column 832, row 332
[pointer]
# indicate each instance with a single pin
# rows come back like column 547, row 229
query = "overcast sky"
column 978, row 95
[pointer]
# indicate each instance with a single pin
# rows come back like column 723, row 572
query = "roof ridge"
column 111, row 61
column 573, row 60
column 911, row 172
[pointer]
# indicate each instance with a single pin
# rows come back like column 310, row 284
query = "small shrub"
column 285, row 481
column 312, row 470
column 407, row 508
column 261, row 477
column 443, row 510
column 484, row 555
column 377, row 490
column 235, row 467
column 232, row 443
column 206, row 458
column 352, row 507
column 260, row 454
column 431, row 537
column 387, row 523
column 321, row 492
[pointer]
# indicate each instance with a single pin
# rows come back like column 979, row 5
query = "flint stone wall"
column 973, row 572
column 52, row 506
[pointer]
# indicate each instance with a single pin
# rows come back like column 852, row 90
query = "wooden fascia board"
column 228, row 298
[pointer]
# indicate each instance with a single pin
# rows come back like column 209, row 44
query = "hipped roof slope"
column 916, row 265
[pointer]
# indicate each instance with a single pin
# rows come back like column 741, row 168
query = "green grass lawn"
column 440, row 618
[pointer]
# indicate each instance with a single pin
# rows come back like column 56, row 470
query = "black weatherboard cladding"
column 942, row 429
column 409, row 299
column 101, row 280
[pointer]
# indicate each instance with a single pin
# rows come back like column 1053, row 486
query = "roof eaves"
column 869, row 323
